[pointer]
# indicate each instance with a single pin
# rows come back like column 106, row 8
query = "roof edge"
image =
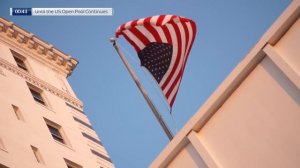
column 45, row 51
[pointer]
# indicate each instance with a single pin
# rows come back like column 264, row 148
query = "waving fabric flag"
column 163, row 44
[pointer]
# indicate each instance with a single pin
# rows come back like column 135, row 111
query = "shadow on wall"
column 282, row 80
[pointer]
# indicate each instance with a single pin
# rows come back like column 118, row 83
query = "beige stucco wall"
column 252, row 119
column 258, row 125
column 288, row 46
column 17, row 136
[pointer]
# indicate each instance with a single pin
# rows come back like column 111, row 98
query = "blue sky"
column 226, row 31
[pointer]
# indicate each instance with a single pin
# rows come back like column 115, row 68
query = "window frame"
column 18, row 112
column 37, row 154
column 21, row 63
column 37, row 94
column 61, row 138
column 71, row 164
column 20, row 60
column 56, row 133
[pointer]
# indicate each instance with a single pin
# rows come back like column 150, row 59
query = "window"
column 20, row 60
column 20, row 63
column 36, row 94
column 37, row 154
column 55, row 134
column 17, row 112
column 56, row 131
column 75, row 108
column 101, row 155
column 91, row 138
column 71, row 164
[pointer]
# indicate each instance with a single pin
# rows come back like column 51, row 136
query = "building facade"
column 252, row 119
column 42, row 123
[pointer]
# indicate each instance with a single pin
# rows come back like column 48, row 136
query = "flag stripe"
column 137, row 41
column 173, row 92
column 187, row 37
column 178, row 70
column 153, row 20
column 174, row 84
column 128, row 24
column 166, row 19
column 161, row 34
column 146, row 33
column 134, row 23
column 139, row 35
column 147, row 21
column 137, row 48
column 154, row 33
column 160, row 20
column 173, row 99
column 167, row 34
column 192, row 30
column 173, row 38
column 139, row 22
column 177, row 57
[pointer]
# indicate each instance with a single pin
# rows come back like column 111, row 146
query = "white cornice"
column 40, row 83
column 14, row 35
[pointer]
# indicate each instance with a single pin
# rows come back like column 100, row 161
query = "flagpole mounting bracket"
column 113, row 41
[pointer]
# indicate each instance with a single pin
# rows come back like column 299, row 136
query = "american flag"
column 163, row 44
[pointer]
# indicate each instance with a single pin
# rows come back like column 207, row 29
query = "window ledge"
column 45, row 106
column 65, row 145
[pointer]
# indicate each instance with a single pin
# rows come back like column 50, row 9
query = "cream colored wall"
column 252, row 119
column 17, row 135
column 289, row 46
column 258, row 126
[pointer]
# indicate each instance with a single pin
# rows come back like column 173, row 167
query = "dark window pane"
column 37, row 96
column 71, row 164
column 20, row 63
column 59, row 139
column 55, row 134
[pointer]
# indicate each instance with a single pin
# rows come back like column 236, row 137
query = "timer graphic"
column 20, row 12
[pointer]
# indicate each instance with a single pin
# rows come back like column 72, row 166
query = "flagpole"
column 143, row 91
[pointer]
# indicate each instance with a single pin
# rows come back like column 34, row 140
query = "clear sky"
column 227, row 30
